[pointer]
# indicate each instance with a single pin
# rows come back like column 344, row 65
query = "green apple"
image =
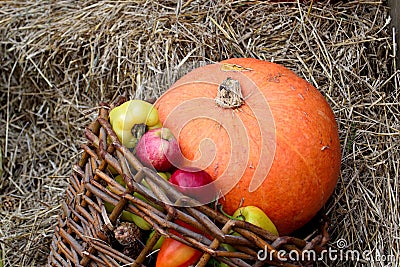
column 228, row 248
column 119, row 179
column 159, row 242
column 165, row 175
column 129, row 216
column 139, row 221
column 256, row 216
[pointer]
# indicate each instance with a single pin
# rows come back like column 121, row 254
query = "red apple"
column 176, row 254
column 195, row 183
column 158, row 149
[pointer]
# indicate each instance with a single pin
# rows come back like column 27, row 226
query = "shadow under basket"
column 86, row 231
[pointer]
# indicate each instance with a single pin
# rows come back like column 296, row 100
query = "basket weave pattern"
column 83, row 233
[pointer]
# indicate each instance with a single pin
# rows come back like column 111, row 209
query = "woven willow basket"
column 84, row 235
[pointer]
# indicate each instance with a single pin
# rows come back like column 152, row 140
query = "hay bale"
column 59, row 59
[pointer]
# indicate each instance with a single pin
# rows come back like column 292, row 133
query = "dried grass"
column 59, row 59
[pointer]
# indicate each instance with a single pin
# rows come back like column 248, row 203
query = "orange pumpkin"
column 266, row 136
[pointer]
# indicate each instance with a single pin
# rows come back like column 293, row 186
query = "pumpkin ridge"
column 303, row 159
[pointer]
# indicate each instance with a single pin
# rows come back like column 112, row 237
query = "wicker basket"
column 84, row 234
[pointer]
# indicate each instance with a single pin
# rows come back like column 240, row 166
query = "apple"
column 126, row 215
column 159, row 242
column 176, row 254
column 195, row 183
column 129, row 217
column 256, row 216
column 133, row 112
column 164, row 175
column 121, row 181
column 158, row 149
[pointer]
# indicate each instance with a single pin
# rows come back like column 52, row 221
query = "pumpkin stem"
column 229, row 94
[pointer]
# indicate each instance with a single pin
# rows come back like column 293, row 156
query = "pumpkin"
column 267, row 137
